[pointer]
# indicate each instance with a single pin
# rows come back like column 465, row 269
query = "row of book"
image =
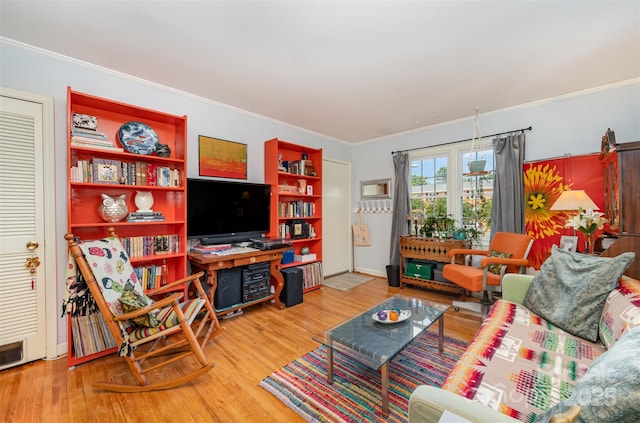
column 90, row 334
column 137, row 173
column 151, row 276
column 142, row 246
column 312, row 275
column 150, row 174
column 296, row 209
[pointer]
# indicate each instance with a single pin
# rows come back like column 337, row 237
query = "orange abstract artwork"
column 544, row 181
column 226, row 159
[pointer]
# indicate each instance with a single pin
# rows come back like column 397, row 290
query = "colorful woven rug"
column 355, row 394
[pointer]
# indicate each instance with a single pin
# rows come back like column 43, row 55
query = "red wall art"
column 544, row 181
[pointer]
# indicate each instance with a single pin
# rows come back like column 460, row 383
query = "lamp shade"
column 574, row 200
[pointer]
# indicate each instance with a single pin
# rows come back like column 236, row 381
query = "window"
column 449, row 194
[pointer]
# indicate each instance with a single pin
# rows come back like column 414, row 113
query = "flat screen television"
column 224, row 211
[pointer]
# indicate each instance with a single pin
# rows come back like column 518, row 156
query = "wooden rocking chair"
column 164, row 327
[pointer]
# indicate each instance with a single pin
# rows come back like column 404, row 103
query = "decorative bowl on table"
column 387, row 316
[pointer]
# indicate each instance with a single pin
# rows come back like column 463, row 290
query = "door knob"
column 32, row 245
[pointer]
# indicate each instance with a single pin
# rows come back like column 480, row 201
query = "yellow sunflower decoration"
column 542, row 186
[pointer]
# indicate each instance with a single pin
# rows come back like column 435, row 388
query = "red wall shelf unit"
column 169, row 194
column 296, row 198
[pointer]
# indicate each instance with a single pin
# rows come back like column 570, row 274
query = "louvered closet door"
column 22, row 295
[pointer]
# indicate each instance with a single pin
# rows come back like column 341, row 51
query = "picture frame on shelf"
column 222, row 158
column 568, row 243
column 297, row 230
column 106, row 171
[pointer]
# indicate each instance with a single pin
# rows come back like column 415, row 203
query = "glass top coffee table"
column 375, row 343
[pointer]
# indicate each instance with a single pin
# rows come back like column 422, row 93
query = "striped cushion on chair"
column 168, row 319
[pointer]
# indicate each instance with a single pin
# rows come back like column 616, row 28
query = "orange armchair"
column 507, row 253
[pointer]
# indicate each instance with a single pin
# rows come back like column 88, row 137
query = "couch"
column 522, row 367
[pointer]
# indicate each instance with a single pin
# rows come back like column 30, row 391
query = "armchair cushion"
column 167, row 319
column 571, row 288
column 610, row 390
column 515, row 287
column 495, row 267
column 469, row 277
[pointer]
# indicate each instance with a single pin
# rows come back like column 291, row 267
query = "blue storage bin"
column 287, row 257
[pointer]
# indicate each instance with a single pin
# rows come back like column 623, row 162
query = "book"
column 89, row 136
column 144, row 214
column 146, row 219
column 77, row 144
column 210, row 249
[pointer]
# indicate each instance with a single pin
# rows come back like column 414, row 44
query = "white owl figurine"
column 113, row 209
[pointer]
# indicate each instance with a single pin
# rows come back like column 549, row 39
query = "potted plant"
column 467, row 232
column 445, row 226
column 429, row 226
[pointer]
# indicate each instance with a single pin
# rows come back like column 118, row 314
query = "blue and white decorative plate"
column 138, row 138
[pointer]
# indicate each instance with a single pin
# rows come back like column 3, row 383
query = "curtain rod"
column 468, row 139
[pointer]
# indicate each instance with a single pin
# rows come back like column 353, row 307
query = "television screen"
column 223, row 211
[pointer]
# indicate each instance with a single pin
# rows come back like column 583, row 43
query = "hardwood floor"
column 252, row 346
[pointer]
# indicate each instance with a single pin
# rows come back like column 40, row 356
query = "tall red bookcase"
column 84, row 194
column 295, row 175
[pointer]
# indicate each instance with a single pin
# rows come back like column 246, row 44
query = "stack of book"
column 210, row 249
column 88, row 138
column 145, row 216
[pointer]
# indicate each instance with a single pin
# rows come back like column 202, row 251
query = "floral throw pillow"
column 494, row 267
column 131, row 300
column 571, row 289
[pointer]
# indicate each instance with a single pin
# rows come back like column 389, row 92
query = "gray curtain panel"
column 401, row 204
column 507, row 212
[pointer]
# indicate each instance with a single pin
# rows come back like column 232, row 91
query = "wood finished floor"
column 251, row 347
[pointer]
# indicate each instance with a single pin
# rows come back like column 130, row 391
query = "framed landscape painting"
column 222, row 158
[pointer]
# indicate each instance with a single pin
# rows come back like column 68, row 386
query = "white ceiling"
column 351, row 70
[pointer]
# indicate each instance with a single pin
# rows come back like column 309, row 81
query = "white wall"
column 572, row 124
column 36, row 71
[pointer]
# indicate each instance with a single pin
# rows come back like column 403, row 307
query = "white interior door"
column 22, row 293
column 336, row 217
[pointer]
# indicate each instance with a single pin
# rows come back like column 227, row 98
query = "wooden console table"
column 211, row 263
column 433, row 249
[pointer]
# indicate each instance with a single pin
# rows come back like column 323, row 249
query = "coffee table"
column 375, row 344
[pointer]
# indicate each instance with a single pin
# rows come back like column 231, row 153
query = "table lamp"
column 574, row 200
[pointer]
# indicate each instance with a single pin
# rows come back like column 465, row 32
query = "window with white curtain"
column 444, row 188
